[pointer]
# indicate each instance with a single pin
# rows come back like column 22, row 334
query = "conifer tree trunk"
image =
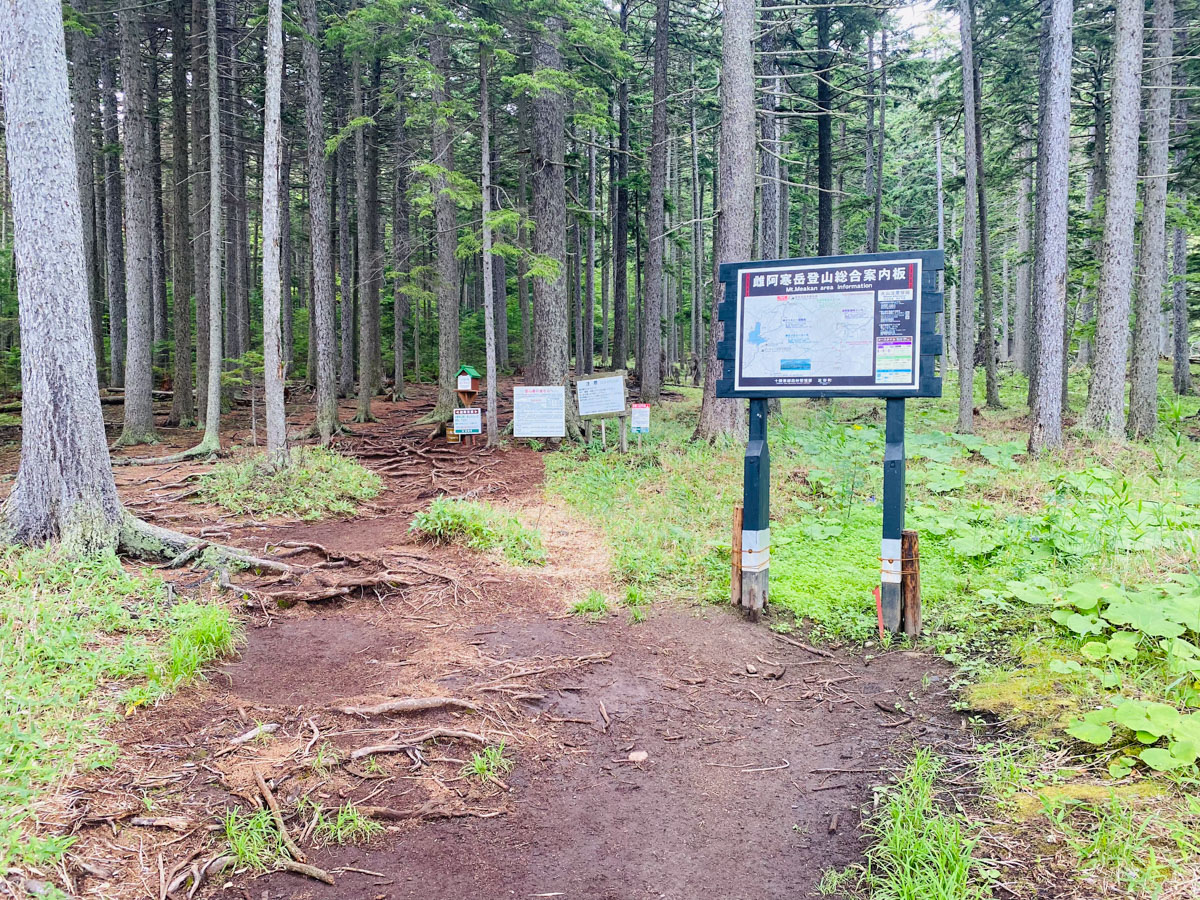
column 401, row 250
column 113, row 227
column 285, row 242
column 1143, row 393
column 697, row 319
column 985, row 244
column 1021, row 300
column 824, row 136
column 735, row 199
column 523, row 236
column 620, row 313
column 550, row 352
column 82, row 93
column 182, row 400
column 368, row 312
column 489, row 308
column 1181, row 370
column 589, row 290
column 1050, row 293
column 966, row 310
column 947, row 322
column 1106, row 394
column 321, row 324
column 447, row 234
column 158, row 254
column 347, row 281
column 139, row 235
column 69, row 496
column 200, row 254
column 651, row 372
column 212, row 416
column 272, row 283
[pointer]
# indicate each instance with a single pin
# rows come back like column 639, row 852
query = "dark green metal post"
column 756, row 518
column 893, row 514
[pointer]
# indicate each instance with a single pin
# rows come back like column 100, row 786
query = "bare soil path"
column 753, row 756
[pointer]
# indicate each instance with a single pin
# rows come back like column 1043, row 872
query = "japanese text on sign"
column 829, row 326
column 539, row 411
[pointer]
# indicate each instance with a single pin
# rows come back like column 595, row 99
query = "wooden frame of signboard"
column 622, row 416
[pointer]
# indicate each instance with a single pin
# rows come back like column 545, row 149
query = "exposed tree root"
column 406, row 705
column 431, row 809
column 415, row 741
column 140, row 538
column 203, row 449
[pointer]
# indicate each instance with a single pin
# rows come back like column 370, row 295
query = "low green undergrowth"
column 317, row 483
column 81, row 642
column 480, row 527
column 921, row 850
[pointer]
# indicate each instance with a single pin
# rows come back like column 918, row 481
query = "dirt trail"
column 760, row 753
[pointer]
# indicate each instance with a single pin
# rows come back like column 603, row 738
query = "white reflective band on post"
column 890, row 561
column 756, row 550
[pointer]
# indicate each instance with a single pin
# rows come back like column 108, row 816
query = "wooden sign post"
column 834, row 326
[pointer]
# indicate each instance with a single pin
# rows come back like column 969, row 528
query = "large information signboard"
column 539, row 411
column 839, row 325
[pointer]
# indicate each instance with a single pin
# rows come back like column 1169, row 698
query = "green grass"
column 316, row 484
column 488, row 763
column 1059, row 586
column 80, row 642
column 479, row 527
column 920, row 850
column 345, row 825
column 594, row 604
column 253, row 838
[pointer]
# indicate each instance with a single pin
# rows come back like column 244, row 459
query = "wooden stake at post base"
column 910, row 583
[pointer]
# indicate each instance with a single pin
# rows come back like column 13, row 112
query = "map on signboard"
column 828, row 326
column 539, row 411
column 601, row 396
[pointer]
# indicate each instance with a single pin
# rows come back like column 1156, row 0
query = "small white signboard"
column 468, row 421
column 464, row 382
column 539, row 411
column 602, row 396
column 639, row 420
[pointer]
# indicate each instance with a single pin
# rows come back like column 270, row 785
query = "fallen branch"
column 813, row 650
column 289, row 865
column 406, row 705
column 273, row 804
column 253, row 733
column 415, row 741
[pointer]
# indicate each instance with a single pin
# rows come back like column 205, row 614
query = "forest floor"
column 760, row 753
column 616, row 730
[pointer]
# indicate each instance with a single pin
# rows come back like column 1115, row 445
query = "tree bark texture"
column 447, row 233
column 64, row 486
column 183, row 405
column 652, row 374
column 1143, row 391
column 966, row 309
column 735, row 199
column 1106, row 394
column 272, row 282
column 1050, row 293
column 139, row 236
column 113, row 227
column 322, row 326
